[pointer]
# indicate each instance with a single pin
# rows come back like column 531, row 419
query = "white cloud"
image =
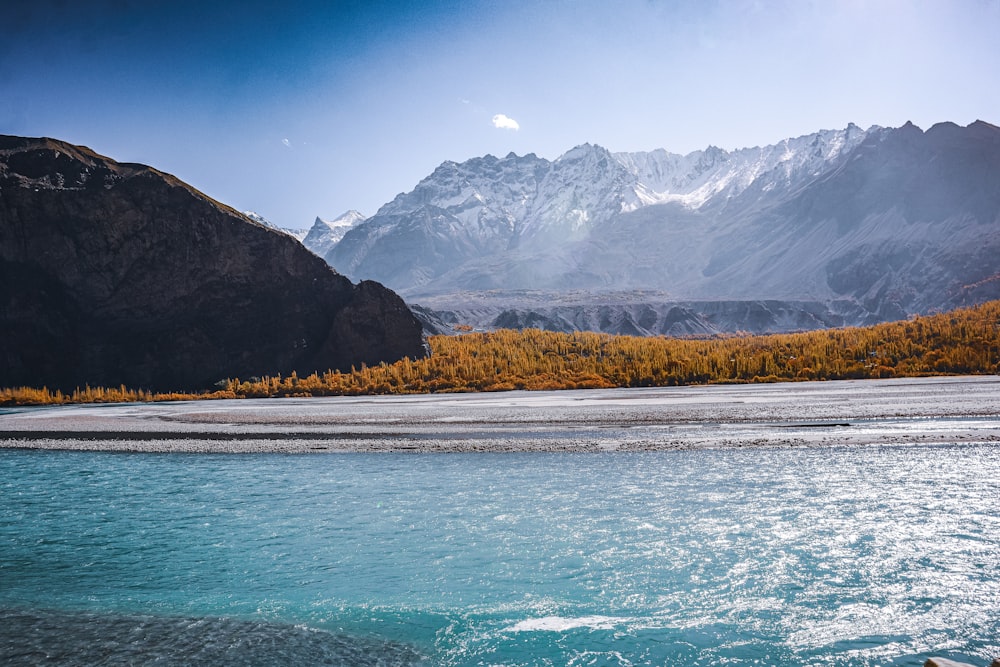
column 505, row 122
column 286, row 142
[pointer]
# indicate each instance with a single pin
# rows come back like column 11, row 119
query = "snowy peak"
column 588, row 153
column 324, row 234
column 497, row 187
column 350, row 219
column 520, row 197
column 583, row 187
column 341, row 223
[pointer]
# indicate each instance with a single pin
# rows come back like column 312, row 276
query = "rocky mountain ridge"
column 894, row 221
column 631, row 314
column 115, row 273
column 490, row 205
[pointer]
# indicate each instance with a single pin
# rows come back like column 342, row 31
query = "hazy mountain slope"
column 904, row 225
column 896, row 221
column 117, row 273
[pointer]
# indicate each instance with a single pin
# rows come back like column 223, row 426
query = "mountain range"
column 838, row 227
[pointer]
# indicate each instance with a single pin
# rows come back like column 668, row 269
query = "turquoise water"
column 836, row 556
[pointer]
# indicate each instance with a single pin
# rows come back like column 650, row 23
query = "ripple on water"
column 839, row 556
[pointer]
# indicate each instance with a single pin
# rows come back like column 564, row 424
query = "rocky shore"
column 809, row 414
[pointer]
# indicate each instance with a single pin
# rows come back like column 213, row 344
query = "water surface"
column 877, row 555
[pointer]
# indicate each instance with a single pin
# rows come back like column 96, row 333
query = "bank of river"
column 913, row 410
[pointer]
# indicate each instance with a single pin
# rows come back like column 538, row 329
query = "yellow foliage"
column 960, row 342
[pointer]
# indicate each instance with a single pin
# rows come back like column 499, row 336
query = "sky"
column 301, row 108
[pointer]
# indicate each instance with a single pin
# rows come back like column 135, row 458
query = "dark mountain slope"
column 117, row 273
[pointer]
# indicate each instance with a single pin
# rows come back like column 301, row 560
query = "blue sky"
column 302, row 108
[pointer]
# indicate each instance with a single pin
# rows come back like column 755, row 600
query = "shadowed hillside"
column 119, row 274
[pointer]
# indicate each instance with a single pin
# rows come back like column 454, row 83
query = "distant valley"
column 834, row 228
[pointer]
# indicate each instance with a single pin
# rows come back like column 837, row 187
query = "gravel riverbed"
column 854, row 412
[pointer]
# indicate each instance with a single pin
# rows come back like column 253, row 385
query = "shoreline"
column 918, row 411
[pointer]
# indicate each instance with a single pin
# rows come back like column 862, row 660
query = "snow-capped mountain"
column 697, row 178
column 895, row 220
column 261, row 220
column 489, row 206
column 324, row 234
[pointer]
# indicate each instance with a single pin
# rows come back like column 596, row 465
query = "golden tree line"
column 965, row 341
